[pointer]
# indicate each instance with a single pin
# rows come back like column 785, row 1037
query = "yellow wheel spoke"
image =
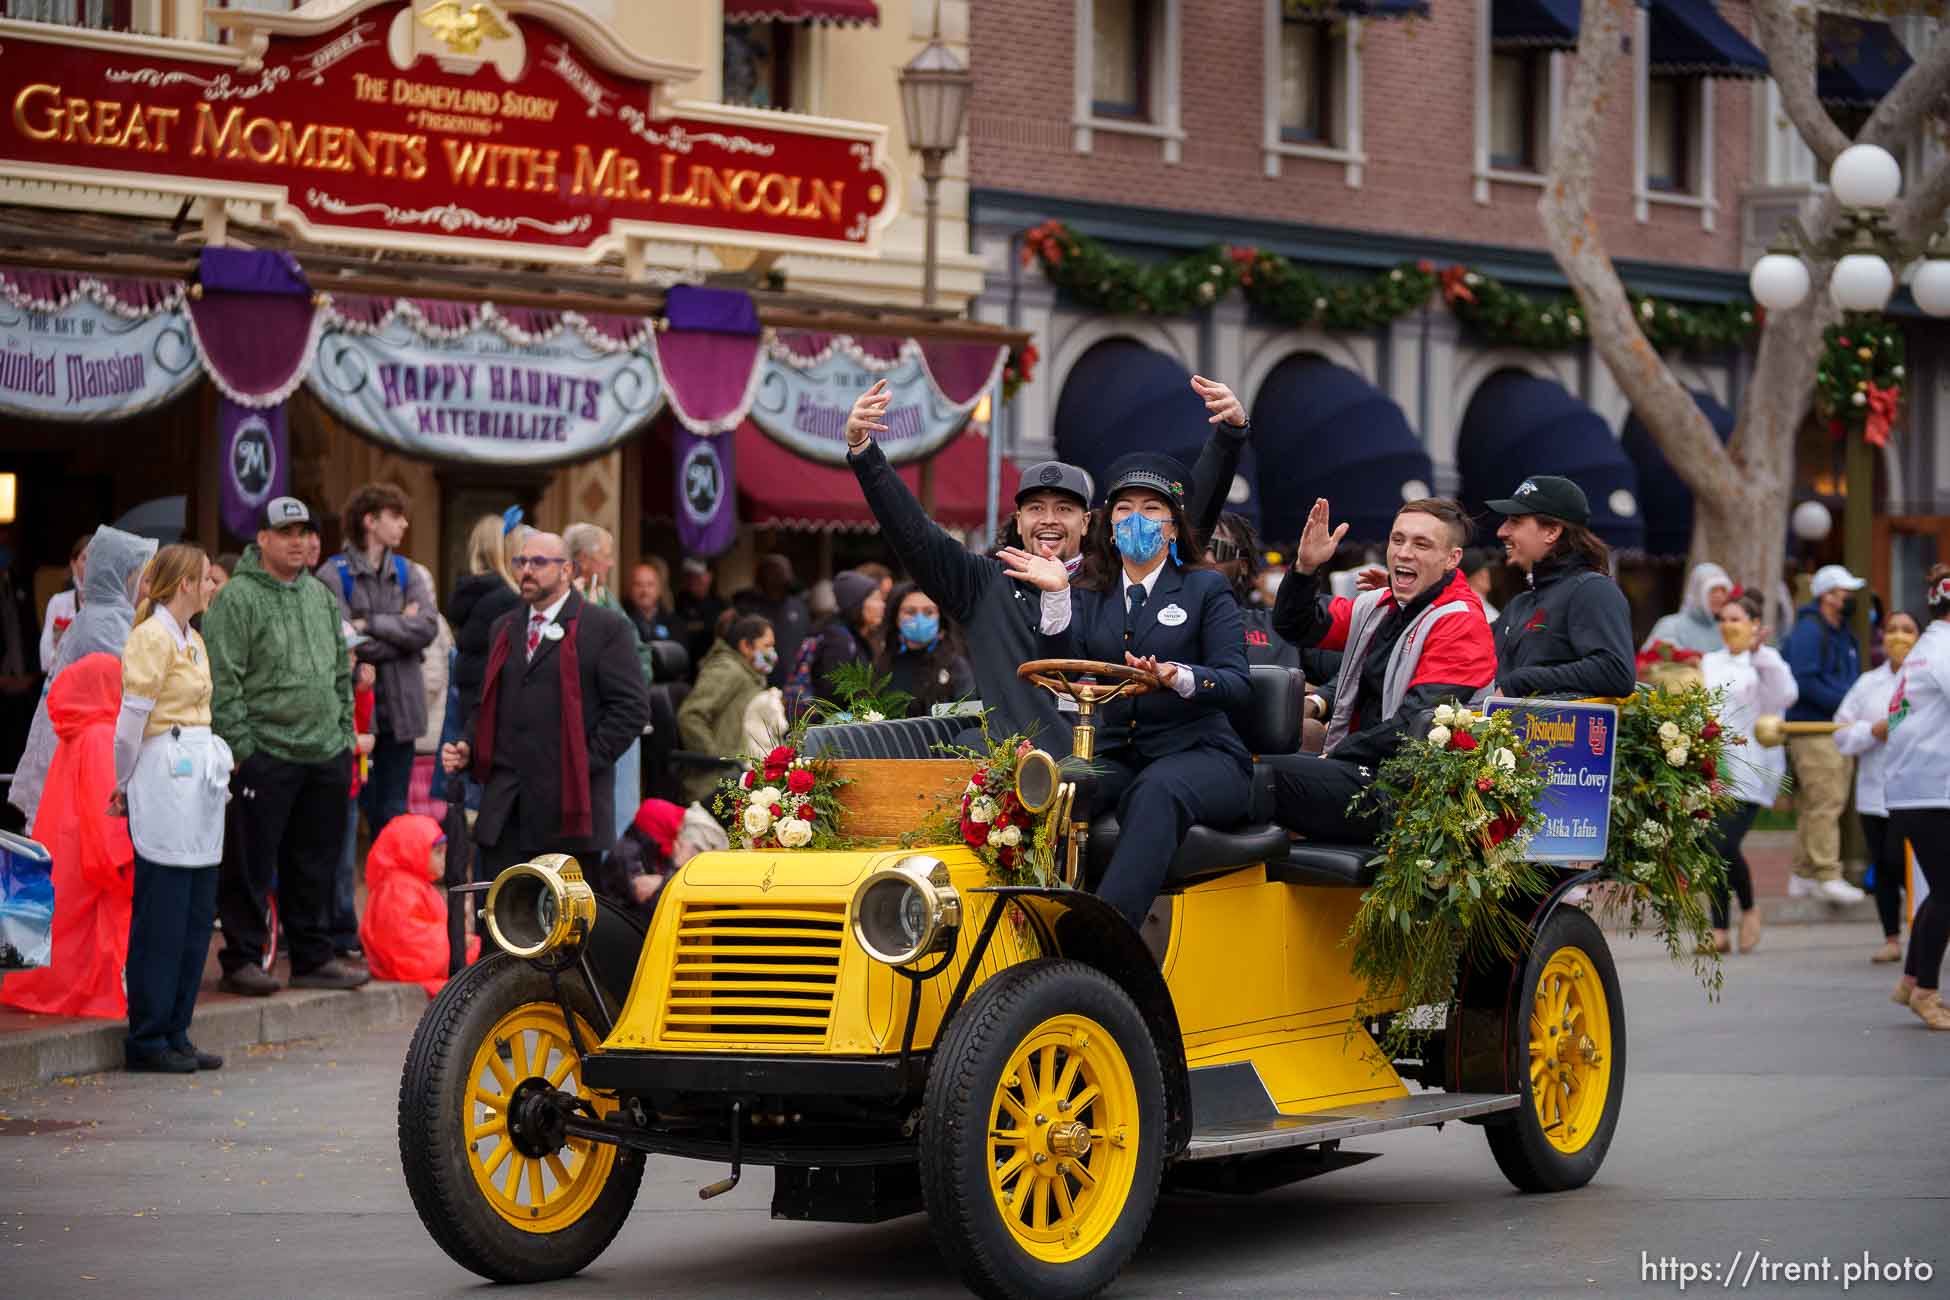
column 479, row 1096
column 1083, row 1099
column 492, row 1128
column 1015, row 1108
column 518, row 1041
column 562, row 1071
column 556, row 1167
column 1046, row 1072
column 1040, row 1214
column 1082, row 1170
column 1007, row 1135
column 1536, row 1068
column 1067, row 1081
column 1017, row 1163
column 534, row 1182
column 501, row 1072
column 1064, row 1209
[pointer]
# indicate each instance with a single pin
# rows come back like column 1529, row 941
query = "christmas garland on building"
column 1859, row 379
column 1284, row 291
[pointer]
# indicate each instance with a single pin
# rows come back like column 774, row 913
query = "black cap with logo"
column 282, row 512
column 1547, row 495
column 1054, row 476
column 1152, row 470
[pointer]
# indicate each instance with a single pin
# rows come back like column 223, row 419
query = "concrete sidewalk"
column 34, row 1049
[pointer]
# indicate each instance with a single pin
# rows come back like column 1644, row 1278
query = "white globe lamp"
column 1811, row 521
column 1930, row 286
column 1779, row 282
column 1862, row 282
column 1865, row 176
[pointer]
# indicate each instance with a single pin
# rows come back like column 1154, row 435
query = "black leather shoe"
column 167, row 1061
column 250, row 981
column 204, row 1060
column 333, row 974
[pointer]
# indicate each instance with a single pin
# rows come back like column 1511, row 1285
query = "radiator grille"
column 754, row 972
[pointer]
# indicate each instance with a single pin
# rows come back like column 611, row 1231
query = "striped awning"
column 838, row 12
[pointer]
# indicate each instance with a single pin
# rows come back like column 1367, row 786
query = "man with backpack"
column 392, row 612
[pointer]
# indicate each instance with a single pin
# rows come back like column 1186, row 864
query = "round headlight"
column 538, row 906
column 906, row 911
column 1037, row 780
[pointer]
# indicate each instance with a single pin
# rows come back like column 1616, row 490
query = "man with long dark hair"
column 1570, row 634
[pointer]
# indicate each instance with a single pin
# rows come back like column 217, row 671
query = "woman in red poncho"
column 404, row 930
column 94, row 862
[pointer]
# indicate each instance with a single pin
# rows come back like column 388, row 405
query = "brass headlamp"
column 536, row 907
column 906, row 911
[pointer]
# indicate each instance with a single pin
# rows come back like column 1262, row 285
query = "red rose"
column 1462, row 740
column 1710, row 731
column 800, row 781
column 975, row 833
column 981, row 775
column 1703, row 815
column 1709, row 769
column 746, row 781
column 1484, row 784
column 777, row 811
column 1504, row 827
column 778, row 761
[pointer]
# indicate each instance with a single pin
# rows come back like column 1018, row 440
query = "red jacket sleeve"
column 1459, row 652
column 1342, row 610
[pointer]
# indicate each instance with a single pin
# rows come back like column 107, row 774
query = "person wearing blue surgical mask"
column 924, row 654
column 1167, row 760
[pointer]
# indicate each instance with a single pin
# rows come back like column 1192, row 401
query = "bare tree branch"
column 1786, row 31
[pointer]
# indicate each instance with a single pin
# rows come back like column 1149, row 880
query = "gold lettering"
column 786, row 191
column 272, row 150
column 416, row 158
column 738, row 199
column 137, row 125
column 464, row 161
column 225, row 143
column 541, row 170
column 108, row 116
column 716, row 192
column 77, row 123
column 359, row 152
column 160, row 120
column 599, row 178
column 825, row 200
column 303, row 150
column 39, row 90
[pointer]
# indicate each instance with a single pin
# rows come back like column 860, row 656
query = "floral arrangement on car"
column 1019, row 846
column 783, row 800
column 863, row 696
column 1459, row 807
column 1670, row 758
column 1670, row 667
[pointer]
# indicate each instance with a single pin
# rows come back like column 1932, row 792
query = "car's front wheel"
column 511, row 1205
column 1043, row 1135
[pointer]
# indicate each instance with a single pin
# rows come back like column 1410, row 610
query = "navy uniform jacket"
column 1210, row 640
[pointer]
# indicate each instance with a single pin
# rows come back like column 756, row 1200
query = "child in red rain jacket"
column 404, row 930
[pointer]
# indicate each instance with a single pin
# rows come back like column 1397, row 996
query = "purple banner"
column 255, row 465
column 707, row 499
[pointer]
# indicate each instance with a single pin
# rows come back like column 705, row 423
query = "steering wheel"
column 1056, row 676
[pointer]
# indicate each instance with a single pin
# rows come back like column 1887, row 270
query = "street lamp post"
column 1866, row 179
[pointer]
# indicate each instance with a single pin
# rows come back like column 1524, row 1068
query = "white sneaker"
column 1840, row 891
column 1802, row 887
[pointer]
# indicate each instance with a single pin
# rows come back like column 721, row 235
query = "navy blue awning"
column 1518, row 425
column 1323, row 431
column 1860, row 61
column 1690, row 39
column 1122, row 397
column 1665, row 502
column 1535, row 24
column 1384, row 8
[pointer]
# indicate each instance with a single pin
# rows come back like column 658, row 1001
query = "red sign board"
column 515, row 127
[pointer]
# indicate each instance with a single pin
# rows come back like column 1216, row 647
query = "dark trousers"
column 169, row 940
column 1729, row 830
column 1887, row 862
column 1157, row 801
column 344, row 919
column 1311, row 796
column 389, row 775
column 292, row 822
column 1928, row 833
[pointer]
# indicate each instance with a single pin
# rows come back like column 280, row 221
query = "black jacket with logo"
column 1570, row 634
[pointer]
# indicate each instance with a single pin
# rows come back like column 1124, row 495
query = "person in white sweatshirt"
column 1864, row 736
column 1917, row 790
column 1756, row 681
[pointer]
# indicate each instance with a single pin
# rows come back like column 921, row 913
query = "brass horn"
column 1770, row 730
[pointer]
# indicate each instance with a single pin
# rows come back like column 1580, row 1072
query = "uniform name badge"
column 552, row 631
column 1172, row 615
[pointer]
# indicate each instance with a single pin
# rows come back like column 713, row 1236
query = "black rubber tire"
column 1517, row 1140
column 434, row 1155
column 967, row 1068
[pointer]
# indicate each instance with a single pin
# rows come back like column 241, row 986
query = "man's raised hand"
column 1317, row 542
column 864, row 420
column 1219, row 400
column 1044, row 571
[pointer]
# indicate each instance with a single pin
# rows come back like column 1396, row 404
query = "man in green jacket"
column 282, row 701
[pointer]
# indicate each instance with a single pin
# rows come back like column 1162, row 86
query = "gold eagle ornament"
column 464, row 29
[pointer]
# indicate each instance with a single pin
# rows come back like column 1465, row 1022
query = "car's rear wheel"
column 513, row 1206
column 1043, row 1136
column 1568, row 1055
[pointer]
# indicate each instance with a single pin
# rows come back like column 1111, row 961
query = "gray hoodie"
column 101, row 626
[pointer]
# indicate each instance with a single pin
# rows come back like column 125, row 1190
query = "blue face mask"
column 921, row 629
column 1139, row 537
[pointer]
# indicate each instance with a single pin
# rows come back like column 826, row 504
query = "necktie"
column 535, row 622
column 1137, row 596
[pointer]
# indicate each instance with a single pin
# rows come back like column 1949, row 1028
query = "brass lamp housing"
column 537, row 907
column 1038, row 781
column 877, row 905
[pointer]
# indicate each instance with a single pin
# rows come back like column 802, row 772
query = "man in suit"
column 563, row 697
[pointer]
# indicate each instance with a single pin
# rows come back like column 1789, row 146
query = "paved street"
column 1802, row 1116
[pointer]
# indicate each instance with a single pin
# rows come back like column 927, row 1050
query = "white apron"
column 177, row 795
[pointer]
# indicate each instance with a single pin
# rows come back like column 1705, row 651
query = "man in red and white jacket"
column 1406, row 647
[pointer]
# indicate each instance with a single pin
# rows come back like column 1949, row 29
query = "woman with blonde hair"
column 172, row 777
column 483, row 594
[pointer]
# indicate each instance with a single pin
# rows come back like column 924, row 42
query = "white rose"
column 758, row 818
column 1677, row 756
column 873, row 715
column 1438, row 735
column 1444, row 715
column 765, row 796
column 1668, row 733
column 995, row 838
column 1504, row 759
column 982, row 810
column 1011, row 836
column 1463, row 716
column 795, row 833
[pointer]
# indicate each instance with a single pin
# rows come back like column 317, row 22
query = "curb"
column 88, row 1047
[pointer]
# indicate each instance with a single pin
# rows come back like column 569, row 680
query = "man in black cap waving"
column 1570, row 634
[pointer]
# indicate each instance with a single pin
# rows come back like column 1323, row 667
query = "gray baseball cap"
column 282, row 512
column 1055, row 476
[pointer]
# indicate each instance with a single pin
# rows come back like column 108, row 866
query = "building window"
column 110, row 15
column 1519, row 109
column 1671, row 105
column 1851, row 119
column 1306, row 81
column 1121, row 44
column 758, row 64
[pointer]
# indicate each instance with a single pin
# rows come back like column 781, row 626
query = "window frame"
column 1534, row 69
column 1338, row 66
column 1162, row 59
column 785, row 57
column 1326, row 75
column 1143, row 40
column 1684, row 126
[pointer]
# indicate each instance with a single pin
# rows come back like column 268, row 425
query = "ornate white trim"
column 561, row 61
column 487, row 316
column 731, row 419
column 678, row 140
column 94, row 290
column 259, row 401
column 448, row 217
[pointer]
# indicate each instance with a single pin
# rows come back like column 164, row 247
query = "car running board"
column 1222, row 1140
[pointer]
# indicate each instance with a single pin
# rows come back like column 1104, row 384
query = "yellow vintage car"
column 892, row 1034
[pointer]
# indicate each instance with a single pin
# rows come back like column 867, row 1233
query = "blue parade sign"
column 1577, row 744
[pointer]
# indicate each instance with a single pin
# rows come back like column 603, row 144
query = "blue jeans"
column 169, row 941
column 629, row 785
column 389, row 776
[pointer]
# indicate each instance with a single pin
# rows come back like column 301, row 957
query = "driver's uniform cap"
column 1055, row 476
